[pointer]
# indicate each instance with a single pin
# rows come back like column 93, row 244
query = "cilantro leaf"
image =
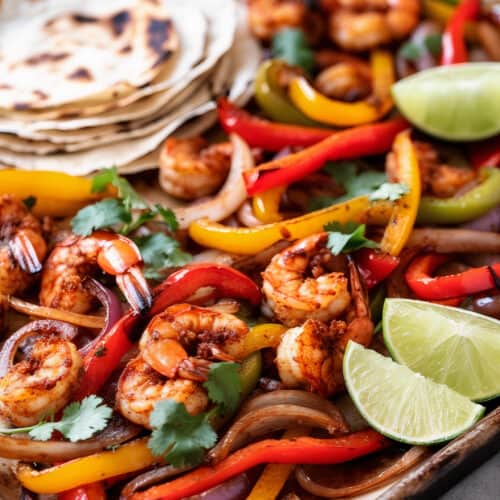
column 126, row 192
column 79, row 421
column 159, row 251
column 224, row 385
column 391, row 191
column 29, row 202
column 410, row 51
column 180, row 437
column 290, row 44
column 347, row 238
column 168, row 216
column 433, row 43
column 105, row 213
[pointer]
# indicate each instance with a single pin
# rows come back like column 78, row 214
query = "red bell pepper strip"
column 453, row 50
column 351, row 143
column 374, row 266
column 261, row 133
column 105, row 356
column 302, row 450
column 93, row 491
column 485, row 153
column 425, row 286
column 227, row 281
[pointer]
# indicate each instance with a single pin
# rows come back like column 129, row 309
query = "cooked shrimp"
column 366, row 24
column 311, row 355
column 76, row 257
column 22, row 246
column 184, row 329
column 298, row 285
column 348, row 81
column 41, row 384
column 140, row 387
column 190, row 168
column 438, row 179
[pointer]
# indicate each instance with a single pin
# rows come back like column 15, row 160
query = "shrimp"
column 190, row 168
column 22, row 246
column 42, row 383
column 70, row 261
column 438, row 178
column 311, row 355
column 360, row 25
column 298, row 286
column 349, row 81
column 140, row 387
column 174, row 356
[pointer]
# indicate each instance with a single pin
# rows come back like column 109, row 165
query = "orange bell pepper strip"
column 251, row 240
column 301, row 450
column 57, row 194
column 346, row 114
column 129, row 457
column 405, row 209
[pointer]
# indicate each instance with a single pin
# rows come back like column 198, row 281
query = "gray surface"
column 481, row 484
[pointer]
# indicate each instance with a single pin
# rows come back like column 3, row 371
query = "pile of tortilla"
column 87, row 85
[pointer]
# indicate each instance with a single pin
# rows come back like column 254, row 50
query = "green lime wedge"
column 459, row 102
column 402, row 404
column 451, row 346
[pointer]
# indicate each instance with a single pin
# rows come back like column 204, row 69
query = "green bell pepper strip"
column 467, row 207
column 273, row 100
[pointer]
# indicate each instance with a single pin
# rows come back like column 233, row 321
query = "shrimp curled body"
column 176, row 350
column 22, row 246
column 42, row 383
column 298, row 286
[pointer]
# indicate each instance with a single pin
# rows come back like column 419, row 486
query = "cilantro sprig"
column 126, row 214
column 347, row 237
column 391, row 191
column 183, row 438
column 290, row 44
column 79, row 421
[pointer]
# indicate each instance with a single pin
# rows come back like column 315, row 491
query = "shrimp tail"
column 24, row 252
column 195, row 369
column 134, row 287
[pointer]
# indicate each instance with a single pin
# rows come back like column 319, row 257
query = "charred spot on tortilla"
column 5, row 86
column 119, row 21
column 158, row 35
column 40, row 94
column 81, row 74
column 126, row 49
column 82, row 18
column 46, row 57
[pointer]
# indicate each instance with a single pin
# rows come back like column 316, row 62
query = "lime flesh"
column 454, row 347
column 404, row 405
column 458, row 102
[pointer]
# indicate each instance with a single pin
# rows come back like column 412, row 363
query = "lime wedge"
column 404, row 405
column 454, row 347
column 458, row 102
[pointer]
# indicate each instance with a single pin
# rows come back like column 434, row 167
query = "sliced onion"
column 408, row 460
column 269, row 419
column 21, row 448
column 455, row 240
column 112, row 306
column 150, row 478
column 232, row 489
column 296, row 398
column 37, row 311
column 490, row 221
column 261, row 259
column 232, row 194
column 38, row 327
column 246, row 216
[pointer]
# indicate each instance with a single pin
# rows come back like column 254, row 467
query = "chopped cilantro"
column 79, row 421
column 290, row 44
column 391, row 191
column 410, row 51
column 347, row 238
column 29, row 202
column 433, row 43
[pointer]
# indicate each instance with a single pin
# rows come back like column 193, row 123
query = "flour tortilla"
column 72, row 51
column 192, row 31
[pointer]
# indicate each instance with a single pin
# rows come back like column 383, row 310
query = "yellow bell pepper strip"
column 262, row 336
column 57, row 194
column 274, row 476
column 266, row 205
column 405, row 209
column 441, row 12
column 251, row 240
column 346, row 114
column 130, row 457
